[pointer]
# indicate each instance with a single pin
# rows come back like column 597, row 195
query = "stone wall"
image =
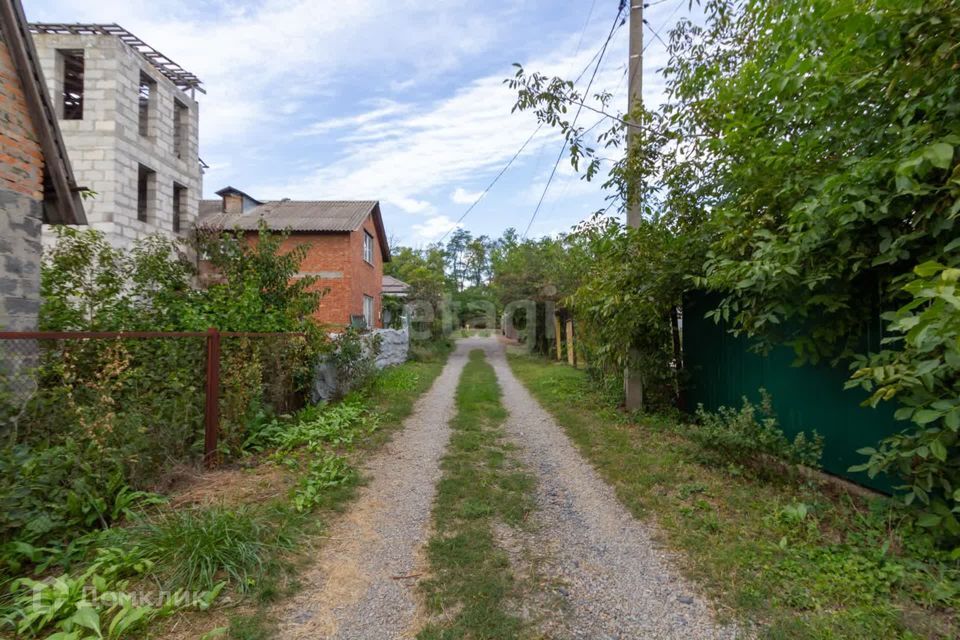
column 106, row 147
column 394, row 349
column 394, row 346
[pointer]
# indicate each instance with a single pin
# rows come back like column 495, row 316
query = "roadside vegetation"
column 473, row 591
column 793, row 557
column 108, row 528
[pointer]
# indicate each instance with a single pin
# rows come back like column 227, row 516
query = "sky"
column 400, row 101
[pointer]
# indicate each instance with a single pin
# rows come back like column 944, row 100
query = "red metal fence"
column 41, row 362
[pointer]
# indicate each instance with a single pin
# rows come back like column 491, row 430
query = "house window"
column 71, row 82
column 146, row 192
column 179, row 204
column 148, row 88
column 368, row 311
column 368, row 247
column 180, row 119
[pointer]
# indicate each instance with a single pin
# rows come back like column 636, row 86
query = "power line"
column 656, row 32
column 524, row 145
column 586, row 24
column 586, row 92
column 492, row 182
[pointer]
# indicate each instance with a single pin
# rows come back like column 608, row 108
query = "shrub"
column 743, row 437
column 354, row 358
column 48, row 496
column 920, row 368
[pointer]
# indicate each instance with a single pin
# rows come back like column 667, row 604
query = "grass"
column 795, row 559
column 254, row 546
column 472, row 584
column 198, row 547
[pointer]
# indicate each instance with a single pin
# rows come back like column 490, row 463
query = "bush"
column 49, row 496
column 743, row 437
column 354, row 357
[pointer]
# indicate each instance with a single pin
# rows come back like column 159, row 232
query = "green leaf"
column 929, row 520
column 928, row 269
column 88, row 618
column 926, row 416
column 940, row 155
column 938, row 450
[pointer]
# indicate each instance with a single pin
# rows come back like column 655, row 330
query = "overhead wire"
column 583, row 32
column 580, row 106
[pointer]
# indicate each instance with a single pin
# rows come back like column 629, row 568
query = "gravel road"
column 612, row 580
column 363, row 585
column 616, row 582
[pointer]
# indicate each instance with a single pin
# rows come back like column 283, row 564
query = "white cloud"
column 410, row 205
column 367, row 120
column 416, row 151
column 433, row 228
column 462, row 196
column 253, row 57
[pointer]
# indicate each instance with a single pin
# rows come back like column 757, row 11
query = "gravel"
column 363, row 584
column 615, row 582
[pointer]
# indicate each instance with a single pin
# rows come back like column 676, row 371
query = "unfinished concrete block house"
column 347, row 247
column 129, row 119
column 36, row 181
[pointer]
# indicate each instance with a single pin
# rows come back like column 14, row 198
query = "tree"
column 804, row 166
column 456, row 256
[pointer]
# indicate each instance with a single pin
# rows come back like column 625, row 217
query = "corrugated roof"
column 296, row 215
column 329, row 216
column 394, row 286
column 210, row 207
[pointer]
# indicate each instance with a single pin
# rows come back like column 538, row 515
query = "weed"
column 741, row 438
column 471, row 575
column 787, row 556
column 323, row 475
column 196, row 548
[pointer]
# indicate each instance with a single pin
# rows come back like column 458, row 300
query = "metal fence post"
column 212, row 409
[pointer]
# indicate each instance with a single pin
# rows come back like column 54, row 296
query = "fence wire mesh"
column 143, row 399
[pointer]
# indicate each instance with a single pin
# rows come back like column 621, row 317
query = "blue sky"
column 400, row 101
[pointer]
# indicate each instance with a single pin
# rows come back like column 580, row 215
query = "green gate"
column 722, row 370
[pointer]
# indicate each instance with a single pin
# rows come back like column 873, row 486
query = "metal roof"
column 170, row 69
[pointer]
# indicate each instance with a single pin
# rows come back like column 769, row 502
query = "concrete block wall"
column 106, row 148
column 21, row 193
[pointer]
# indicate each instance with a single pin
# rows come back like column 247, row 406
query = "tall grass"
column 198, row 547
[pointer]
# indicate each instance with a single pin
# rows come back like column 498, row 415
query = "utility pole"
column 633, row 379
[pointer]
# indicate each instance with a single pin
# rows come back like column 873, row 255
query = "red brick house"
column 346, row 239
column 36, row 181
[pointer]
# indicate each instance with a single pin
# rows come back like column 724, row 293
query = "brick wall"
column 337, row 258
column 21, row 191
column 367, row 278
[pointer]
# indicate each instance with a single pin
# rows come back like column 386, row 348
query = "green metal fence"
column 723, row 370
